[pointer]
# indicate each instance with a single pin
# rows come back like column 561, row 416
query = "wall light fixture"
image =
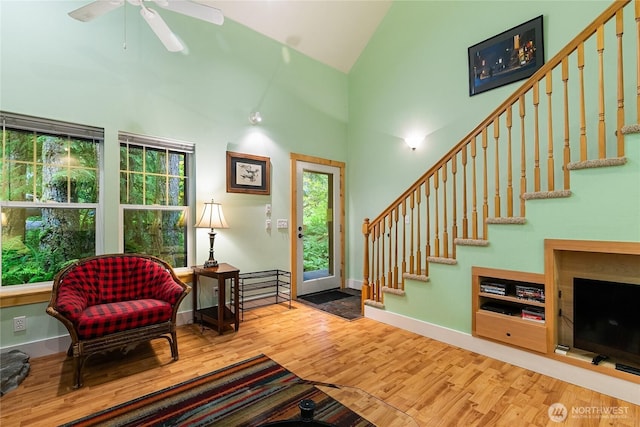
column 413, row 141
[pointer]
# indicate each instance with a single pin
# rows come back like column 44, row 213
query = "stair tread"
column 537, row 195
column 507, row 220
column 442, row 260
column 471, row 242
column 395, row 291
column 416, row 276
column 597, row 163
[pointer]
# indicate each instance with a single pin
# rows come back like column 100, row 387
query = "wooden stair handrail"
column 608, row 14
column 493, row 137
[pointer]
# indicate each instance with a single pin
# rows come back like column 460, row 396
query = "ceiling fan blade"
column 194, row 10
column 161, row 29
column 95, row 9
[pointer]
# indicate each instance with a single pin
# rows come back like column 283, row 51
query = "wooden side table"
column 223, row 314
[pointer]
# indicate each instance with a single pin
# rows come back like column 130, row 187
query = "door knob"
column 300, row 235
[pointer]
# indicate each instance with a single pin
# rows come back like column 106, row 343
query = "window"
column 154, row 188
column 49, row 192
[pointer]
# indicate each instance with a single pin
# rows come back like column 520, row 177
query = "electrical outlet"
column 267, row 224
column 19, row 323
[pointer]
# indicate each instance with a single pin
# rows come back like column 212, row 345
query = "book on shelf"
column 531, row 293
column 533, row 318
column 533, row 313
column 493, row 288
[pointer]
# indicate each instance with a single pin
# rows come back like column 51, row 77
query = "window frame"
column 158, row 143
column 26, row 292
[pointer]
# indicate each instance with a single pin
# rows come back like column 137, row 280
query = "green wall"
column 54, row 67
column 411, row 77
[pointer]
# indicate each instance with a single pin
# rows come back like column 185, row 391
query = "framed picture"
column 247, row 173
column 508, row 57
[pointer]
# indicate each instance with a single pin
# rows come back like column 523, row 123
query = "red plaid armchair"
column 110, row 301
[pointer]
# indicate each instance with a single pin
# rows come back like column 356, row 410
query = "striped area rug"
column 249, row 393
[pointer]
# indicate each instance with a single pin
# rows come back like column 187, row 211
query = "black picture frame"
column 247, row 173
column 512, row 55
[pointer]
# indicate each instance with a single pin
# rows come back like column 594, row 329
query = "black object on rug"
column 344, row 303
column 254, row 392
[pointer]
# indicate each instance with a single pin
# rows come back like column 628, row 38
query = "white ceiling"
column 333, row 32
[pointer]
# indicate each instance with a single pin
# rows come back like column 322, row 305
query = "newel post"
column 366, row 288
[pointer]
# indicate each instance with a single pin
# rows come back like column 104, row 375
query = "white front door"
column 318, row 248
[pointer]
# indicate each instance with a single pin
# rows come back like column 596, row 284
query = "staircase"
column 569, row 116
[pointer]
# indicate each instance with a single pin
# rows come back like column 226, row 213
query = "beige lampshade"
column 212, row 216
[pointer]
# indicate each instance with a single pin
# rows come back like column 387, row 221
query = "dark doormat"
column 325, row 296
column 344, row 303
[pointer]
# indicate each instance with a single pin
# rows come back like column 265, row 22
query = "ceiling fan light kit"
column 203, row 12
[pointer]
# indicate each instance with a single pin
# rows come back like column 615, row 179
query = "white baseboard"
column 354, row 284
column 61, row 343
column 601, row 383
column 43, row 347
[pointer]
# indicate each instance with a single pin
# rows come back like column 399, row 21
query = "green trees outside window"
column 316, row 221
column 153, row 193
column 48, row 200
column 49, row 197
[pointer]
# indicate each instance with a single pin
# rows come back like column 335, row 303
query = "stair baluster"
column 381, row 266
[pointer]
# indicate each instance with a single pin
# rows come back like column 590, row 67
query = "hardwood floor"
column 436, row 384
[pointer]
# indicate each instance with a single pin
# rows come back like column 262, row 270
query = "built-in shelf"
column 564, row 260
column 511, row 299
column 509, row 318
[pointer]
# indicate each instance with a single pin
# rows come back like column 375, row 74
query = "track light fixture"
column 255, row 117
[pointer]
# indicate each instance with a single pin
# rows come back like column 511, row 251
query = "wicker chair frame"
column 82, row 349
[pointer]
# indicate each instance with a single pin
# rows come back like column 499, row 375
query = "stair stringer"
column 604, row 205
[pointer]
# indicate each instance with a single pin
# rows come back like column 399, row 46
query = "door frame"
column 293, row 235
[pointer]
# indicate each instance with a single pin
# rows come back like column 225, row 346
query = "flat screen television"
column 606, row 318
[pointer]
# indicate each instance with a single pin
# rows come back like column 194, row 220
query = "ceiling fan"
column 160, row 28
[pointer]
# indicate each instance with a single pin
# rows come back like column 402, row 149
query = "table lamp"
column 212, row 217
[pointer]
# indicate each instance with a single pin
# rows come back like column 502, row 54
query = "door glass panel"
column 318, row 225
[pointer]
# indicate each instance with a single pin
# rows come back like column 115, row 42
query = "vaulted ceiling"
column 333, row 32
